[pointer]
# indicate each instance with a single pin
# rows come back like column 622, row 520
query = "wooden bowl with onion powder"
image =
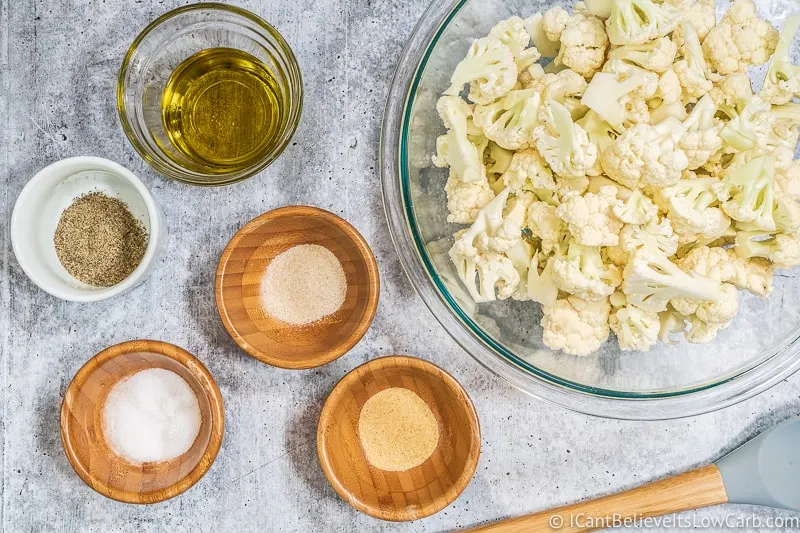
column 297, row 287
column 398, row 438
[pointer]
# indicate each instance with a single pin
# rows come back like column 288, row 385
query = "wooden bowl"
column 238, row 288
column 82, row 432
column 410, row 494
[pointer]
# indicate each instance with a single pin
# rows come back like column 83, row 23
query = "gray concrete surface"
column 58, row 66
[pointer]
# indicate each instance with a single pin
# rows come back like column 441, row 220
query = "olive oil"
column 222, row 111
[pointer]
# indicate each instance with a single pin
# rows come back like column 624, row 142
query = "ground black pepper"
column 99, row 241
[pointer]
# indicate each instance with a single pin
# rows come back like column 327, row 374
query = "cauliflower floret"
column 731, row 93
column 740, row 40
column 701, row 15
column 750, row 128
column 508, row 233
column 489, row 68
column 669, row 92
column 782, row 250
column 690, row 207
column 583, row 45
column 637, row 209
column 724, row 265
column 655, row 56
column 615, row 255
column 782, row 82
column 544, row 224
column 672, row 323
column 753, row 274
column 582, row 272
column 510, row 121
column 600, row 133
column 655, row 236
column 475, row 250
column 496, row 277
column 564, row 145
column 576, row 326
column 787, row 181
column 565, row 87
column 535, row 26
column 691, row 69
column 635, row 328
column 650, row 281
column 786, row 214
column 702, row 138
column 454, row 149
column 513, row 33
column 615, row 97
column 674, row 110
column 701, row 332
column 554, row 21
column 496, row 159
column 639, row 21
column 646, row 155
column 591, row 218
column 747, row 194
column 540, row 286
column 465, row 200
column 708, row 318
column 521, row 255
column 528, row 171
column 488, row 219
column 714, row 263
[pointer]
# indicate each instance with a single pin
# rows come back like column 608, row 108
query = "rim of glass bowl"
column 775, row 364
column 295, row 111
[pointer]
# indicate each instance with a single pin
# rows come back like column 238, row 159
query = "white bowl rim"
column 91, row 163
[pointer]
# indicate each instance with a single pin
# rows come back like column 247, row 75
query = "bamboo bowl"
column 82, row 432
column 238, row 287
column 410, row 494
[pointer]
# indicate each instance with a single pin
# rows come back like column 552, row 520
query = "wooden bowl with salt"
column 240, row 279
column 88, row 449
column 347, row 434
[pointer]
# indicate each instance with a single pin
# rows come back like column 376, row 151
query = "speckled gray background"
column 58, row 66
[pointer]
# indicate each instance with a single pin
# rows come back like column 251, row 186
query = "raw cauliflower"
column 701, row 14
column 465, row 200
column 691, row 69
column 528, row 171
column 544, row 224
column 554, row 22
column 575, row 326
column 634, row 183
column 565, row 145
column 510, row 121
column 702, row 138
column 646, row 155
column 635, row 328
column 740, row 40
column 489, row 68
column 583, row 45
column 655, row 56
column 582, row 272
column 591, row 219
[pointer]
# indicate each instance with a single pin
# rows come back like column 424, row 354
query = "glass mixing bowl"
column 759, row 349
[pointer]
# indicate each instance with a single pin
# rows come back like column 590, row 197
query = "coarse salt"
column 151, row 416
column 304, row 284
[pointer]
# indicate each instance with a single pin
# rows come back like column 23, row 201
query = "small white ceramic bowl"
column 44, row 199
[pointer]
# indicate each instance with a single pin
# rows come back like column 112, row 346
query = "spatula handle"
column 698, row 488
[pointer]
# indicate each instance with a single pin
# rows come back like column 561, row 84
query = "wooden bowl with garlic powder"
column 398, row 438
column 297, row 287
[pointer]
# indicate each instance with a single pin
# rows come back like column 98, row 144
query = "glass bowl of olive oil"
column 209, row 94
